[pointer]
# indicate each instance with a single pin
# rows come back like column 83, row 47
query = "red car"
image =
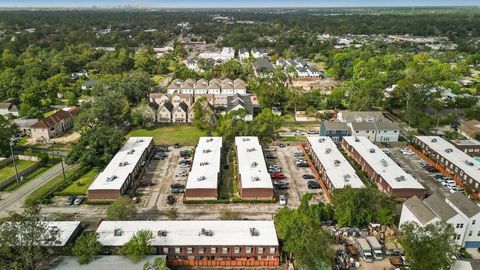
column 277, row 176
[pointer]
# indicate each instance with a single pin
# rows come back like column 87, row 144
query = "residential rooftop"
column 337, row 168
column 420, row 210
column 122, row 164
column 464, row 204
column 251, row 163
column 382, row 164
column 191, row 232
column 448, row 151
column 206, row 164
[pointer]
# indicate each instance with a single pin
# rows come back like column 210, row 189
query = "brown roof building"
column 470, row 129
column 53, row 125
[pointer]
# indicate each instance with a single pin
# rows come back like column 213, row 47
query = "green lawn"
column 171, row 134
column 14, row 186
column 8, row 170
column 42, row 193
column 80, row 186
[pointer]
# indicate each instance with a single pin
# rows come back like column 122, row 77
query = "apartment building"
column 201, row 242
column 122, row 170
column 381, row 169
column 332, row 166
column 204, row 176
column 254, row 180
column 463, row 167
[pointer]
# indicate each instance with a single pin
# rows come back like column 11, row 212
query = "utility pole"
column 13, row 159
column 63, row 169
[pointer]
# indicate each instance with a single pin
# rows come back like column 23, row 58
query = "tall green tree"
column 138, row 246
column 158, row 264
column 121, row 209
column 87, row 247
column 7, row 130
column 428, row 247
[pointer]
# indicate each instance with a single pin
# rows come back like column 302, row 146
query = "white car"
column 282, row 200
column 184, row 165
column 181, row 174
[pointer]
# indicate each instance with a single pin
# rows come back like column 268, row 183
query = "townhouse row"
column 214, row 86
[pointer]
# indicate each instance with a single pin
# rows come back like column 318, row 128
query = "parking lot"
column 412, row 165
column 297, row 185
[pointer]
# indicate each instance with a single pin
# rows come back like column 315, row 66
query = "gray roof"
column 101, row 263
column 25, row 122
column 350, row 116
column 243, row 50
column 387, row 125
column 90, row 83
column 263, row 64
column 419, row 210
column 437, row 204
column 363, row 126
column 167, row 104
column 335, row 126
column 464, row 204
column 244, row 100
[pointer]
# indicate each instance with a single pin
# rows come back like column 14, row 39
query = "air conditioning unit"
column 117, row 232
column 372, row 150
column 205, row 151
column 328, row 150
column 254, row 164
column 400, row 178
column 434, row 140
column 251, row 149
column 206, row 232
column 254, row 232
column 131, row 151
column 449, row 150
column 201, row 178
column 162, row 233
column 336, row 162
column 255, row 178
column 203, row 163
column 246, row 139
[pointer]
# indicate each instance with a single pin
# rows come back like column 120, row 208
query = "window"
column 357, row 131
column 189, row 250
column 272, row 250
column 165, row 250
column 260, row 250
column 458, row 236
column 470, row 233
column 177, row 250
column 201, row 250
column 248, row 250
column 478, row 233
column 237, row 250
column 473, row 222
column 459, row 225
column 224, row 250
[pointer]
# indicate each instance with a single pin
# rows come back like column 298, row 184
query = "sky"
column 232, row 3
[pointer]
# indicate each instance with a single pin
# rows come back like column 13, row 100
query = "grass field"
column 80, row 186
column 48, row 188
column 14, row 186
column 8, row 170
column 171, row 134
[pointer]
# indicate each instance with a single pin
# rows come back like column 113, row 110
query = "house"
column 159, row 52
column 79, row 74
column 187, row 86
column 456, row 209
column 262, row 67
column 204, row 176
column 89, row 85
column 363, row 116
column 465, row 265
column 214, row 86
column 164, row 112
column 227, row 87
column 335, row 130
column 382, row 170
column 331, row 165
column 253, row 177
column 209, row 243
column 227, row 53
column 191, row 64
column 180, row 113
column 174, row 86
column 24, row 125
column 178, row 98
column 259, row 53
column 159, row 98
column 200, row 87
column 206, row 108
column 470, row 129
column 364, row 129
column 243, row 54
column 121, row 173
column 8, row 109
column 386, row 131
column 239, row 86
column 151, row 110
column 53, row 125
column 247, row 102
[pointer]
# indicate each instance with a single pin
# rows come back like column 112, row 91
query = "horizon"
column 202, row 4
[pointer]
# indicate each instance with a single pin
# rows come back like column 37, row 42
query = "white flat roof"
column 337, row 168
column 114, row 175
column 382, row 164
column 189, row 232
column 206, row 163
column 453, row 155
column 65, row 230
column 251, row 163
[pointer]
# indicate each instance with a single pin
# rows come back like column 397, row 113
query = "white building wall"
column 387, row 136
column 474, row 227
column 459, row 219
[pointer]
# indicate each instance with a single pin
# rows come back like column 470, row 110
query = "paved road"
column 13, row 201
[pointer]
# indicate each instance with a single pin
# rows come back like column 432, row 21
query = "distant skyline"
column 232, row 3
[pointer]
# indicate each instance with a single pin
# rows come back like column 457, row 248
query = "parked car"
column 438, row 176
column 281, row 145
column 280, row 187
column 280, row 182
column 79, row 200
column 313, row 185
column 185, row 153
column 177, row 185
column 185, row 161
column 170, row 199
column 183, row 165
column 308, row 176
column 277, row 176
column 297, row 154
column 312, row 131
column 282, row 200
column 270, row 156
column 146, row 183
column 178, row 190
column 70, row 200
column 301, row 163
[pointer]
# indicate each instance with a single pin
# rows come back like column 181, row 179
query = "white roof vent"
column 201, row 178
column 162, row 233
column 357, row 139
column 449, row 150
column 384, row 162
column 434, row 140
column 206, row 232
column 123, row 164
column 205, row 151
column 254, row 232
column 117, row 232
column 255, row 178
column 131, row 151
column 203, row 163
column 139, row 140
column 469, row 163
column 246, row 139
column 254, row 164
column 210, row 140
column 336, row 162
column 328, row 150
column 111, row 178
column 400, row 178
column 321, row 140
column 346, row 178
column 372, row 150
column 251, row 149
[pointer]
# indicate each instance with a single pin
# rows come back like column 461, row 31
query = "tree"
column 7, row 130
column 87, row 247
column 158, row 264
column 265, row 125
column 121, row 209
column 138, row 246
column 359, row 207
column 300, row 230
column 428, row 247
column 25, row 238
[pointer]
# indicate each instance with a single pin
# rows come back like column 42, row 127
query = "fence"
column 27, row 171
